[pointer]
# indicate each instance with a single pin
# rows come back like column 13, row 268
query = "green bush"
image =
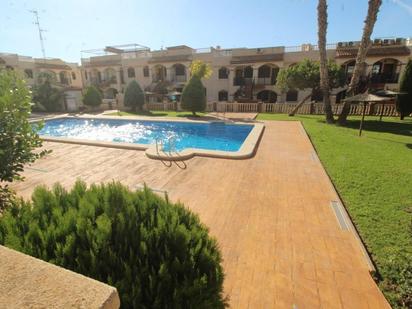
column 193, row 96
column 92, row 97
column 404, row 101
column 398, row 281
column 18, row 138
column 49, row 97
column 157, row 254
column 134, row 96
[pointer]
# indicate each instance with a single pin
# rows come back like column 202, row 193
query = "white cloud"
column 404, row 5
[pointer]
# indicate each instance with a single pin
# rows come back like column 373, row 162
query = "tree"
column 324, row 76
column 306, row 74
column 18, row 138
column 373, row 9
column 156, row 253
column 92, row 97
column 134, row 96
column 193, row 96
column 404, row 101
column 200, row 69
column 46, row 95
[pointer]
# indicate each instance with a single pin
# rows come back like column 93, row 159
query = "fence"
column 280, row 108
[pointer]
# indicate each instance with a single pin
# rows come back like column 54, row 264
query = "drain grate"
column 339, row 213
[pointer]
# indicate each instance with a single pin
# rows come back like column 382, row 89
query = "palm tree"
column 324, row 74
column 373, row 9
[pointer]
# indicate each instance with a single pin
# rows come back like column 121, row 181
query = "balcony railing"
column 266, row 80
column 384, row 78
column 179, row 78
column 241, row 81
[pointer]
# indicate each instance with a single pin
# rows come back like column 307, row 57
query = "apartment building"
column 66, row 76
column 239, row 74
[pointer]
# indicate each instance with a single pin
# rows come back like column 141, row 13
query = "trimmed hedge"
column 193, row 96
column 92, row 96
column 156, row 253
column 134, row 96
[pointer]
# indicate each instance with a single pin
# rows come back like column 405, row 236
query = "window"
column 146, row 71
column 292, row 95
column 222, row 96
column 28, row 73
column 223, row 73
column 131, row 73
column 73, row 76
column 85, row 75
column 121, row 76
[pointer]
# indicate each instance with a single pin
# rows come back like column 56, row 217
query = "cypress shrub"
column 92, row 97
column 134, row 96
column 156, row 253
column 404, row 101
column 193, row 96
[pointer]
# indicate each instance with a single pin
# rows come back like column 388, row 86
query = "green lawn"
column 373, row 175
column 156, row 114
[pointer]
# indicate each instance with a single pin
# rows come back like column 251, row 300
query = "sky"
column 75, row 25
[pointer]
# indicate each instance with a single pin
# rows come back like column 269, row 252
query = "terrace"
column 297, row 244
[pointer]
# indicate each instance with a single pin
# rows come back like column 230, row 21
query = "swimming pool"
column 217, row 136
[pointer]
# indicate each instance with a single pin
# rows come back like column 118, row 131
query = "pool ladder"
column 171, row 140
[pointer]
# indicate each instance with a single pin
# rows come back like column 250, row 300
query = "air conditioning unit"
column 385, row 42
column 340, row 44
column 399, row 40
column 350, row 43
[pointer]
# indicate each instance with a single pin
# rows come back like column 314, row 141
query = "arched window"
column 178, row 73
column 292, row 95
column 267, row 96
column 109, row 75
column 63, row 78
column 146, row 71
column 223, row 73
column 267, row 74
column 28, row 73
column 248, row 72
column 223, row 95
column 131, row 73
column 385, row 71
column 73, row 76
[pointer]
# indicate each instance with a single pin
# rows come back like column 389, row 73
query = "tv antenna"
column 37, row 23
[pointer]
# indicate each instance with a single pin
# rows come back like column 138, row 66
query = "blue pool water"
column 213, row 136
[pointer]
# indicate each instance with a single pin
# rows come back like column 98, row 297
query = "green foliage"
column 157, row 254
column 398, row 281
column 306, row 74
column 404, row 102
column 193, row 96
column 377, row 192
column 134, row 96
column 18, row 139
column 92, row 97
column 200, row 69
column 46, row 95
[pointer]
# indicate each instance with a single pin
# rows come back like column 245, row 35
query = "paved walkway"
column 281, row 242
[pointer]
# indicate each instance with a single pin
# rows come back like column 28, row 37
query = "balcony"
column 266, row 80
column 179, row 78
column 385, row 78
column 241, row 81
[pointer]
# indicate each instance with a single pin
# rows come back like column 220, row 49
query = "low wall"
column 27, row 282
column 280, row 108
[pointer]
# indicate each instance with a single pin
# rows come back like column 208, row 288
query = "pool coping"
column 153, row 151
